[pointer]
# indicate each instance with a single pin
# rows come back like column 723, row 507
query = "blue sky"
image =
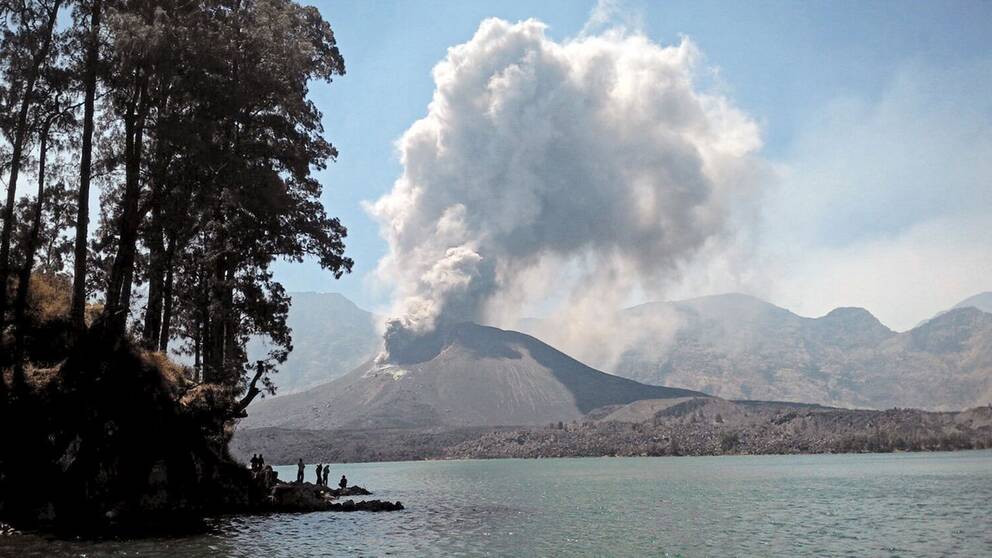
column 801, row 69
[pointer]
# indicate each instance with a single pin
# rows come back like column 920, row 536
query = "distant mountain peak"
column 847, row 311
column 982, row 301
column 727, row 298
column 957, row 315
column 854, row 316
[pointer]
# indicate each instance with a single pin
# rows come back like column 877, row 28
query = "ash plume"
column 576, row 169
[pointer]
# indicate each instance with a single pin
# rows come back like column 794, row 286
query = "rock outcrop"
column 307, row 497
column 114, row 440
column 367, row 505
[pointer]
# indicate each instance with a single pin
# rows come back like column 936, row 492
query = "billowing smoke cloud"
column 586, row 169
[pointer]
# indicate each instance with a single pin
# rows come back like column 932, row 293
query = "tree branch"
column 251, row 394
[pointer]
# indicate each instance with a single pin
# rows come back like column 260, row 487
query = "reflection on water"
column 827, row 505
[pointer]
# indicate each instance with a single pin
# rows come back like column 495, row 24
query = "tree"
column 266, row 198
column 28, row 47
column 135, row 33
column 52, row 113
column 197, row 126
column 93, row 11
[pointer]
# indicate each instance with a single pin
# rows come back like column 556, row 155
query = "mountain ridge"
column 482, row 376
column 734, row 346
column 846, row 358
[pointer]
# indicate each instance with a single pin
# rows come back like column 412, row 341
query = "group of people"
column 257, row 462
column 322, row 471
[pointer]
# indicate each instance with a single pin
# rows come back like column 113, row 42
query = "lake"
column 920, row 504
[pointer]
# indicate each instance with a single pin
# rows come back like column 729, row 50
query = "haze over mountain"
column 732, row 346
column 982, row 301
column 331, row 336
column 739, row 347
column 474, row 376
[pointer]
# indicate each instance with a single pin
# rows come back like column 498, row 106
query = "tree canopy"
column 195, row 122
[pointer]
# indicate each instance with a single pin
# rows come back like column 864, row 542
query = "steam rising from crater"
column 583, row 168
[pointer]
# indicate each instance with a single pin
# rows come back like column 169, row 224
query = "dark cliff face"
column 479, row 376
column 107, row 442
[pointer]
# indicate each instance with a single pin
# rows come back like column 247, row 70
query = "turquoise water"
column 936, row 504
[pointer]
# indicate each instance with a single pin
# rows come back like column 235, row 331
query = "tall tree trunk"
column 122, row 272
column 202, row 317
column 197, row 337
column 167, row 298
column 151, row 331
column 24, row 280
column 215, row 365
column 158, row 264
column 232, row 357
column 20, row 136
column 78, row 311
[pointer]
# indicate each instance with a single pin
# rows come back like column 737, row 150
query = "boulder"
column 300, row 497
column 350, row 491
column 307, row 497
column 366, row 505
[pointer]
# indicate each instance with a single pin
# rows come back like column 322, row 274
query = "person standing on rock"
column 319, row 473
column 299, row 472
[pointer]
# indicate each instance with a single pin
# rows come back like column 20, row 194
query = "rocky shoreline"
column 279, row 496
column 115, row 441
column 689, row 427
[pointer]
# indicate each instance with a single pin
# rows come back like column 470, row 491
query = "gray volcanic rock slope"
column 482, row 376
column 739, row 347
column 331, row 336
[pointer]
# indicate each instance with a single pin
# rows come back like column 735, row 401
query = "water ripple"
column 828, row 505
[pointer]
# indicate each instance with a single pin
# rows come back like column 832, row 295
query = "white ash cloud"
column 596, row 165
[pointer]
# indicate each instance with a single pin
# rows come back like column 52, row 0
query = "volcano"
column 464, row 375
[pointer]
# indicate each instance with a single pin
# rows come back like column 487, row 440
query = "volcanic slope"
column 480, row 376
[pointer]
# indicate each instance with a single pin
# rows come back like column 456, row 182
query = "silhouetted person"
column 319, row 473
column 299, row 472
column 261, row 462
column 254, row 462
column 344, row 483
column 323, row 475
